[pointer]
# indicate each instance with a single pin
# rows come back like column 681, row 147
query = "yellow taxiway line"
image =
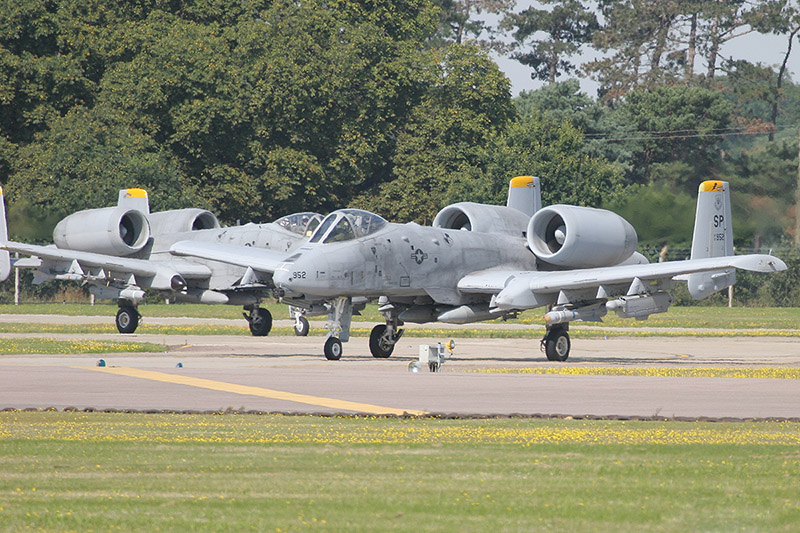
column 253, row 391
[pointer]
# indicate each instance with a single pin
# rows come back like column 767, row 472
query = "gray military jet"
column 122, row 252
column 480, row 262
column 390, row 265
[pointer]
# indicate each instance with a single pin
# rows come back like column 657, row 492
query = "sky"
column 755, row 47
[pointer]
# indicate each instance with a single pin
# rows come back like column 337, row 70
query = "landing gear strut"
column 301, row 326
column 339, row 318
column 555, row 343
column 384, row 336
column 259, row 320
column 127, row 318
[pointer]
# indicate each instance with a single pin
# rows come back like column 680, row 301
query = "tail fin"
column 713, row 237
column 134, row 199
column 5, row 256
column 524, row 194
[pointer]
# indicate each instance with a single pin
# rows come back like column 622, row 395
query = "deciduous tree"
column 546, row 39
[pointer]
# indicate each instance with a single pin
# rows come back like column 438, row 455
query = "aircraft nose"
column 294, row 278
column 281, row 277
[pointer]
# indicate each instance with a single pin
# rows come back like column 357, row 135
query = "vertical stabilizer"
column 5, row 257
column 134, row 199
column 524, row 194
column 713, row 237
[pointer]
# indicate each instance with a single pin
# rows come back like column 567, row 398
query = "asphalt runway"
column 289, row 374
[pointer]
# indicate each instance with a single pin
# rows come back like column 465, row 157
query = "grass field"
column 678, row 322
column 119, row 471
column 756, row 318
column 53, row 346
column 676, row 317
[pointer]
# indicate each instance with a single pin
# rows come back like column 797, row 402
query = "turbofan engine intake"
column 580, row 237
column 109, row 230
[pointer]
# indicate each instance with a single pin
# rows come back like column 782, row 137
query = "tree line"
column 257, row 109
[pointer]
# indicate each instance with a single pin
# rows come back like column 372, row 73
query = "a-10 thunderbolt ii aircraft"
column 122, row 252
column 577, row 262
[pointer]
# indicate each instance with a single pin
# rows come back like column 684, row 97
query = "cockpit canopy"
column 300, row 223
column 346, row 225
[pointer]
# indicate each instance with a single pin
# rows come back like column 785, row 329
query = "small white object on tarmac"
column 433, row 355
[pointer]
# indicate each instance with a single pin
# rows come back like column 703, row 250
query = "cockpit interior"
column 300, row 223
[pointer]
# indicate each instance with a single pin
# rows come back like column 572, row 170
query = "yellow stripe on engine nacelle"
column 136, row 193
column 711, row 186
column 522, row 181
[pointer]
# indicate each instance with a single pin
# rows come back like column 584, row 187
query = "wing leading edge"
column 76, row 265
column 528, row 289
column 258, row 259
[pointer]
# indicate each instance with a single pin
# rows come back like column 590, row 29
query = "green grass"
column 676, row 317
column 100, row 471
column 62, row 347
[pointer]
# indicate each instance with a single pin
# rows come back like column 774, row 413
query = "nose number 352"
column 299, row 275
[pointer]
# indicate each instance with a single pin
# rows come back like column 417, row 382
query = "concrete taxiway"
column 289, row 374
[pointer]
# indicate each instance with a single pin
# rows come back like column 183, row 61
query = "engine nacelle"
column 110, row 230
column 181, row 220
column 482, row 218
column 580, row 237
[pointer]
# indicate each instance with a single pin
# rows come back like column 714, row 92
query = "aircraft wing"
column 519, row 289
column 259, row 259
column 75, row 265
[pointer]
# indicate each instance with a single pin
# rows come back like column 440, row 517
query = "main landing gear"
column 555, row 343
column 259, row 320
column 383, row 337
column 127, row 318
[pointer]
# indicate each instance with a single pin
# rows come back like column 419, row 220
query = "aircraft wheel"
column 557, row 345
column 378, row 345
column 127, row 319
column 260, row 322
column 333, row 349
column 301, row 327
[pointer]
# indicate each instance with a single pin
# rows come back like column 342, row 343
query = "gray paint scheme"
column 578, row 262
column 122, row 252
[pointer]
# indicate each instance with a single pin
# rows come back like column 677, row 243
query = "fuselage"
column 399, row 260
column 283, row 235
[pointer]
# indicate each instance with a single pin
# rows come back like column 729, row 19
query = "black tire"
column 379, row 349
column 260, row 322
column 557, row 345
column 127, row 319
column 333, row 349
column 302, row 331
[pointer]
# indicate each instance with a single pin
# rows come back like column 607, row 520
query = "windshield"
column 342, row 231
column 300, row 223
column 347, row 224
column 329, row 220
